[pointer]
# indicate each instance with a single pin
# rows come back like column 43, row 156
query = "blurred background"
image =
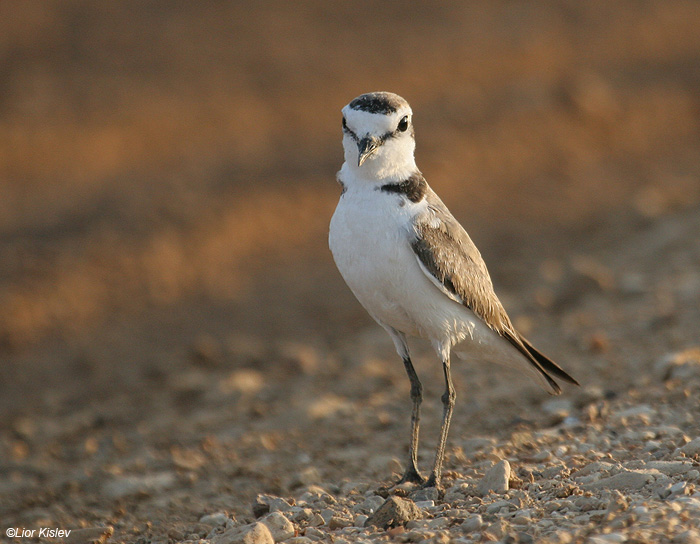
column 167, row 178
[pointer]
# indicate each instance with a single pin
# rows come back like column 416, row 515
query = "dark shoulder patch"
column 383, row 103
column 413, row 188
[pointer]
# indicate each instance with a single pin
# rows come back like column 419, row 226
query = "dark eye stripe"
column 347, row 130
column 382, row 138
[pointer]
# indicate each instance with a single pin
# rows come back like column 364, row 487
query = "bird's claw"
column 433, row 482
column 412, row 476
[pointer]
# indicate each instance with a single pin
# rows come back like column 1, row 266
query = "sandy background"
column 167, row 298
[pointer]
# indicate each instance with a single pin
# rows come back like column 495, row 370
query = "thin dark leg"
column 448, row 402
column 412, row 474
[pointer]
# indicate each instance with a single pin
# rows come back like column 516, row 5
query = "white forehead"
column 375, row 113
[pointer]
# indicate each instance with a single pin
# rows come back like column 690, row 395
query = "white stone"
column 496, row 479
column 316, row 520
column 496, row 507
column 610, row 538
column 369, row 505
column 302, row 514
column 692, row 448
column 438, row 523
column 596, row 468
column 473, row 523
column 678, row 489
column 314, row 533
column 278, row 504
column 360, row 520
column 214, row 520
column 670, row 468
column 280, row 527
column 626, row 479
column 255, row 533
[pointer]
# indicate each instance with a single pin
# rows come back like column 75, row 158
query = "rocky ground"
column 177, row 364
column 608, row 471
column 298, row 443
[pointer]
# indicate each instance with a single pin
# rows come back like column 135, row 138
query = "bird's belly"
column 374, row 265
column 374, row 257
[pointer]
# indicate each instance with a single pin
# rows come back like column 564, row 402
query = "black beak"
column 366, row 146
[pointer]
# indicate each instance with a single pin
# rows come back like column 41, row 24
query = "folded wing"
column 452, row 262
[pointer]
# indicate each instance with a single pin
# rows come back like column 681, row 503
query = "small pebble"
column 472, row 523
column 496, row 479
column 692, row 448
column 369, row 505
column 316, row 520
column 254, row 533
column 438, row 523
column 361, row 520
column 280, row 527
column 626, row 480
column 394, row 512
column 214, row 520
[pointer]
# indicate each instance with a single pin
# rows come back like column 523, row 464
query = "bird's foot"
column 412, row 476
column 411, row 480
column 433, row 481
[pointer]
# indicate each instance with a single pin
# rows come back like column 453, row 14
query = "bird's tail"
column 547, row 364
column 526, row 358
column 541, row 363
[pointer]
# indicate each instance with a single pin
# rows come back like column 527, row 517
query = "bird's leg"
column 412, row 474
column 448, row 402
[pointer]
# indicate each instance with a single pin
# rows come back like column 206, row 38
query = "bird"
column 413, row 267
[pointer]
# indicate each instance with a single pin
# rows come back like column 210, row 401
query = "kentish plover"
column 412, row 265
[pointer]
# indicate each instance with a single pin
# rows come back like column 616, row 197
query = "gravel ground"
column 177, row 364
column 299, row 443
column 622, row 470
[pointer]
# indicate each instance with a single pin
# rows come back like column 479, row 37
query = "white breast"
column 370, row 240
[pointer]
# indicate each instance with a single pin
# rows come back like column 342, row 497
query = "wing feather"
column 449, row 258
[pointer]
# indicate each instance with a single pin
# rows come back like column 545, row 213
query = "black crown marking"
column 383, row 103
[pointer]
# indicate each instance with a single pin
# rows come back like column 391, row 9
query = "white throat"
column 394, row 161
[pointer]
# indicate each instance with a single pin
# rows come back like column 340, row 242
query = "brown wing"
column 449, row 256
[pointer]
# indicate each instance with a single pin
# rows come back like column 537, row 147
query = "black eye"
column 345, row 125
column 403, row 124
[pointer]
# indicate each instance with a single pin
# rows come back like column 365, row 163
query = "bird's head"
column 378, row 136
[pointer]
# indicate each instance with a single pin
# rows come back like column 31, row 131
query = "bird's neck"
column 377, row 172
